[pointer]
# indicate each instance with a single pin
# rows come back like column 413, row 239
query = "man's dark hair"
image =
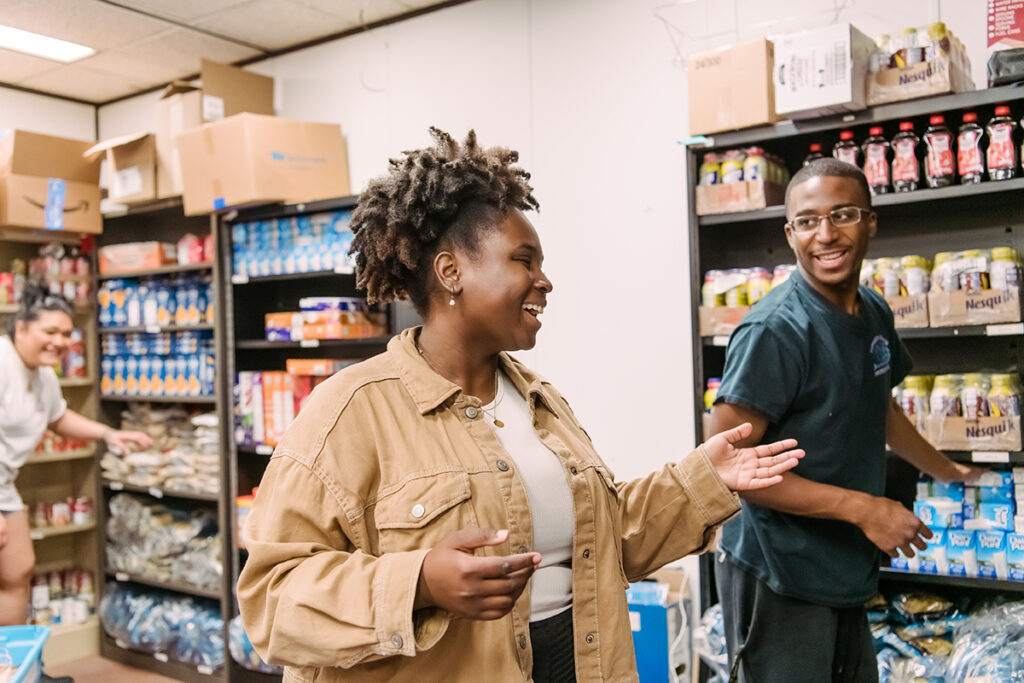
column 832, row 168
column 439, row 197
column 35, row 299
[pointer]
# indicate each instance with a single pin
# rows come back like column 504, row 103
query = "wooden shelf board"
column 72, row 641
column 40, row 459
column 157, row 492
column 77, row 381
column 146, row 661
column 40, row 533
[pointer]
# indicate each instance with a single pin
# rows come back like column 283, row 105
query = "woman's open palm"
column 746, row 469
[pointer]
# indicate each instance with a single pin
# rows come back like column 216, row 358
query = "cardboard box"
column 821, row 71
column 936, row 77
column 981, row 434
column 720, row 320
column 316, row 367
column 131, row 167
column 249, row 159
column 731, row 87
column 123, row 258
column 746, row 195
column 948, row 309
column 225, row 91
column 1005, row 25
column 46, row 183
column 909, row 311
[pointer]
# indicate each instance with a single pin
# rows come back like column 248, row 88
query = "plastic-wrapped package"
column 200, row 641
column 709, row 642
column 989, row 646
column 243, row 652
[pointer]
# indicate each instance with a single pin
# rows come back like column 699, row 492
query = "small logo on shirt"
column 880, row 355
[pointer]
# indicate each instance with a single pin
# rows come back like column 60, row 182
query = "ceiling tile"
column 127, row 64
column 181, row 49
column 15, row 66
column 385, row 9
column 183, row 10
column 87, row 22
column 74, row 80
column 273, row 24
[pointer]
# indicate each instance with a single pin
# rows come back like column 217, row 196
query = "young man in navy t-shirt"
column 816, row 360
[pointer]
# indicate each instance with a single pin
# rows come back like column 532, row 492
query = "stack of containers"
column 301, row 244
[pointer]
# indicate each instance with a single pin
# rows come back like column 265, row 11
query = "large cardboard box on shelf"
column 731, row 87
column 939, row 76
column 909, row 311
column 821, row 71
column 130, row 256
column 746, row 195
column 720, row 320
column 249, row 159
column 46, row 183
column 986, row 307
column 131, row 167
column 981, row 434
column 224, row 91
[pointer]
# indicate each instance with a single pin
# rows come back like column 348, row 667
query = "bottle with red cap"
column 846, row 149
column 939, row 164
column 815, row 153
column 876, row 161
column 1002, row 155
column 906, row 171
column 969, row 161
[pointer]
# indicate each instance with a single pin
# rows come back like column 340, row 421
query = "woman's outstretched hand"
column 746, row 469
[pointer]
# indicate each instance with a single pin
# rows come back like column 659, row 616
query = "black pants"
column 772, row 638
column 554, row 660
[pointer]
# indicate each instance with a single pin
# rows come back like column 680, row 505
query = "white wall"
column 591, row 92
column 47, row 115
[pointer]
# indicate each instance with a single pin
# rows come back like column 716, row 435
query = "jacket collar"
column 429, row 390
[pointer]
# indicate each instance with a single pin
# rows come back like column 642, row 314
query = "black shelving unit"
column 245, row 301
column 924, row 222
column 164, row 220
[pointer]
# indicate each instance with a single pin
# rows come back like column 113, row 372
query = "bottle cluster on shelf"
column 63, row 270
column 916, row 45
column 185, row 456
column 741, row 286
column 53, row 444
column 62, row 597
column 736, row 165
column 164, row 301
column 54, row 514
column 325, row 317
column 163, row 364
column 975, row 528
column 267, row 402
column 169, row 626
column 164, row 542
column 904, row 164
column 300, row 244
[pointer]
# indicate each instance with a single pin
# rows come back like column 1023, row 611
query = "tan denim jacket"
column 387, row 459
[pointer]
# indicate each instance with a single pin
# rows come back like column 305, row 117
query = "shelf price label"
column 1004, row 329
column 720, row 340
column 155, row 492
column 239, row 279
column 990, row 456
column 115, row 486
column 309, row 343
column 36, row 535
column 264, row 450
column 153, row 329
column 161, row 657
column 122, row 576
column 205, row 670
column 344, row 270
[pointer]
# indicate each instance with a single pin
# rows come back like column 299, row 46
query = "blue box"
column 992, row 554
column 961, row 553
column 648, row 619
column 933, row 557
column 1000, row 515
column 1015, row 556
column 25, row 644
column 954, row 490
column 940, row 513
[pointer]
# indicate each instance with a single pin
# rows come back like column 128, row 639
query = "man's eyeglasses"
column 841, row 218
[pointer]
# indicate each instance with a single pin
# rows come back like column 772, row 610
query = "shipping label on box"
column 746, row 195
column 731, row 87
column 50, row 204
column 821, row 71
column 981, row 434
column 948, row 309
column 720, row 320
column 131, row 166
column 935, row 77
column 909, row 311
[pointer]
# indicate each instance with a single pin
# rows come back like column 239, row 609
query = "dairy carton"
column 1015, row 556
column 995, row 487
column 961, row 552
column 940, row 513
column 999, row 515
column 991, row 554
column 954, row 490
column 906, row 564
column 933, row 557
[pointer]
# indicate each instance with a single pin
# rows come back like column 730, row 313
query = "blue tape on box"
column 56, row 191
column 219, row 203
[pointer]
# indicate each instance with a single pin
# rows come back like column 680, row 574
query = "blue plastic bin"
column 25, row 645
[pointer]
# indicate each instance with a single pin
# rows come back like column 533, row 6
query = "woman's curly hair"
column 441, row 195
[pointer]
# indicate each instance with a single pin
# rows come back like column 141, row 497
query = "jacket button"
column 502, row 465
column 396, row 641
column 573, row 470
column 590, row 638
column 522, row 642
column 586, row 554
column 417, row 510
column 472, row 412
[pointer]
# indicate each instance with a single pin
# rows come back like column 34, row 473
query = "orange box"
column 278, row 405
column 316, row 367
column 121, row 258
column 338, row 331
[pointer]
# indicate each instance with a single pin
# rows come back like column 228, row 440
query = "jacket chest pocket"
column 611, row 492
column 423, row 510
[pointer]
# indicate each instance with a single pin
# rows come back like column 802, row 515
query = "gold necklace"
column 499, row 393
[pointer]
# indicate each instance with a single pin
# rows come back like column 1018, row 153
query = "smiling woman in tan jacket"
column 437, row 512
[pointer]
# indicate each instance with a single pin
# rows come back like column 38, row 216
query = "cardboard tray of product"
column 989, row 306
column 745, row 195
column 978, row 434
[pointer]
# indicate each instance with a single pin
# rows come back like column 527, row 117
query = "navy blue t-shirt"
column 825, row 378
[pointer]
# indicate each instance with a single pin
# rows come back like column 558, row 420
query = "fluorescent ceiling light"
column 42, row 46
